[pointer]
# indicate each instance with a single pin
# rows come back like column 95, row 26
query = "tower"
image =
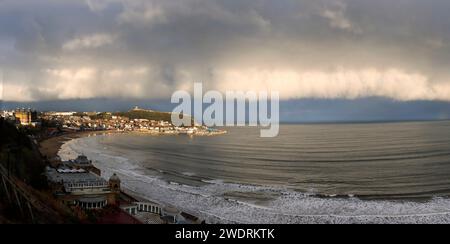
column 114, row 183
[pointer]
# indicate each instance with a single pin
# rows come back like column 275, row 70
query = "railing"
column 17, row 196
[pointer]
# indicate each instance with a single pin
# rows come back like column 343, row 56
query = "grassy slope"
column 143, row 114
column 138, row 114
column 26, row 164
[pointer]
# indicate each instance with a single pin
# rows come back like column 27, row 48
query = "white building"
column 6, row 114
column 78, row 187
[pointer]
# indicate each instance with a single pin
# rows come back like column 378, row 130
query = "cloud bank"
column 332, row 49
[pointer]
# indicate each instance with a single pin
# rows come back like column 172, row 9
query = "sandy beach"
column 49, row 148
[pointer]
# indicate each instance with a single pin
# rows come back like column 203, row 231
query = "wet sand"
column 49, row 148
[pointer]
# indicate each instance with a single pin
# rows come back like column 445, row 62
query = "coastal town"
column 135, row 120
column 77, row 186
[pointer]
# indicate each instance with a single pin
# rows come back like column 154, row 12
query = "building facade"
column 25, row 116
column 82, row 162
column 81, row 188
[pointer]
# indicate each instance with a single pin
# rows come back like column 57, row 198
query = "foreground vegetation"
column 25, row 165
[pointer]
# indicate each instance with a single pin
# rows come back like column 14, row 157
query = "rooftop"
column 82, row 160
column 74, row 177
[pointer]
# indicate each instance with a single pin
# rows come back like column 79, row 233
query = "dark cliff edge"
column 20, row 157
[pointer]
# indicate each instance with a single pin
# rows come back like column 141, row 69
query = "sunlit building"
column 25, row 116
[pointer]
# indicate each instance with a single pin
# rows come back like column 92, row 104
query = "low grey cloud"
column 149, row 48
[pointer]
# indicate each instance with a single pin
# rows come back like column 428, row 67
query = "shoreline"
column 50, row 147
column 302, row 202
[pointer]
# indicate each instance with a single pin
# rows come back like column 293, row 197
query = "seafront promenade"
column 143, row 210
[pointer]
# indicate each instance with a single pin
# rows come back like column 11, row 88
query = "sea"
column 311, row 173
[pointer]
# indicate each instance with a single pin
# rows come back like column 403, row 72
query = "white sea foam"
column 288, row 207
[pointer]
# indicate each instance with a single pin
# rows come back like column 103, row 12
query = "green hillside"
column 145, row 114
column 134, row 114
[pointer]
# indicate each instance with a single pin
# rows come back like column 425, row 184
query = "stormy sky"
column 350, row 51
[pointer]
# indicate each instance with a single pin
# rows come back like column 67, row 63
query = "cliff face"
column 20, row 156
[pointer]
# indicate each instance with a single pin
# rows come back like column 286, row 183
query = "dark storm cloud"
column 147, row 49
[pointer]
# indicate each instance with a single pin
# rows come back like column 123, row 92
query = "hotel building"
column 25, row 116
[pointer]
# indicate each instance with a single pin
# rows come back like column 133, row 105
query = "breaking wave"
column 220, row 202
